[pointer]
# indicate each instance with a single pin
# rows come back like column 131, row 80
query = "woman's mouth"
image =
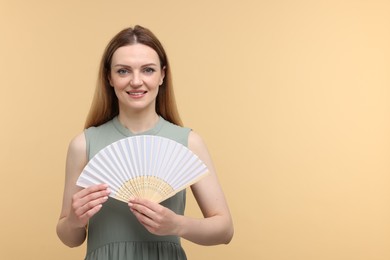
column 136, row 94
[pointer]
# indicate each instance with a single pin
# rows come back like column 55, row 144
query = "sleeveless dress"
column 114, row 233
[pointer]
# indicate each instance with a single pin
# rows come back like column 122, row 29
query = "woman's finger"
column 88, row 214
column 88, row 201
column 89, row 194
column 145, row 220
column 91, row 204
column 92, row 189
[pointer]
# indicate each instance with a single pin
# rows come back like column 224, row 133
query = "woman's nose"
column 136, row 80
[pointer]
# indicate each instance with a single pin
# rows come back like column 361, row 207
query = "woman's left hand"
column 156, row 218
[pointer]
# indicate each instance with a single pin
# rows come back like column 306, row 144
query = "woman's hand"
column 156, row 218
column 216, row 226
column 87, row 203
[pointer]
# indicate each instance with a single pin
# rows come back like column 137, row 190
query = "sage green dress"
column 114, row 233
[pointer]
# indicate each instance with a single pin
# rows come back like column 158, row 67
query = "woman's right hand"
column 86, row 203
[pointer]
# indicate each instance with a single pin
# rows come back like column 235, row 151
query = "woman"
column 134, row 96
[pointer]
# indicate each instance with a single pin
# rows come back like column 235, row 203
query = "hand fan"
column 143, row 166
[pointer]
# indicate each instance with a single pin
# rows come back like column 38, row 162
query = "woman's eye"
column 149, row 70
column 122, row 71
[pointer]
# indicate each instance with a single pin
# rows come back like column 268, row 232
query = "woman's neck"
column 138, row 122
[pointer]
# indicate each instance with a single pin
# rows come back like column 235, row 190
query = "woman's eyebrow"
column 128, row 66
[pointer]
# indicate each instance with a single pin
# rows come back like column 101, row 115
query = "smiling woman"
column 136, row 76
column 134, row 96
column 105, row 102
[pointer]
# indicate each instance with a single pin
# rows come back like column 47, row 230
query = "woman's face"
column 136, row 75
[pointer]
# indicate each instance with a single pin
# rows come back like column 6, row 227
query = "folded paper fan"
column 143, row 166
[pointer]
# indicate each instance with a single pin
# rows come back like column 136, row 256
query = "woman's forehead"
column 134, row 53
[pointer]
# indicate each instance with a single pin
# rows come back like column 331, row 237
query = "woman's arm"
column 217, row 225
column 78, row 205
column 215, row 228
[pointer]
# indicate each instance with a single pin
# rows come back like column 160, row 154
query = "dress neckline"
column 126, row 132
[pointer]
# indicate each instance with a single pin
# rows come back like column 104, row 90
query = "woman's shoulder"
column 174, row 132
column 108, row 124
column 76, row 156
column 196, row 142
column 102, row 131
column 77, row 144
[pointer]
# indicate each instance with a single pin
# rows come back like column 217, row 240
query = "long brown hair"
column 104, row 105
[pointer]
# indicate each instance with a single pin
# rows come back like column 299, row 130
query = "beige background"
column 292, row 97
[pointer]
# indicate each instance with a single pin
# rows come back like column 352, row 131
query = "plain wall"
column 292, row 98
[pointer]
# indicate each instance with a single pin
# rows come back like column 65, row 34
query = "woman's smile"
column 136, row 75
column 137, row 93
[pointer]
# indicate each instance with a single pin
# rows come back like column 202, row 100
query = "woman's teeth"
column 136, row 93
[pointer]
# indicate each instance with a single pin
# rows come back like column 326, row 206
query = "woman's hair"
column 104, row 105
